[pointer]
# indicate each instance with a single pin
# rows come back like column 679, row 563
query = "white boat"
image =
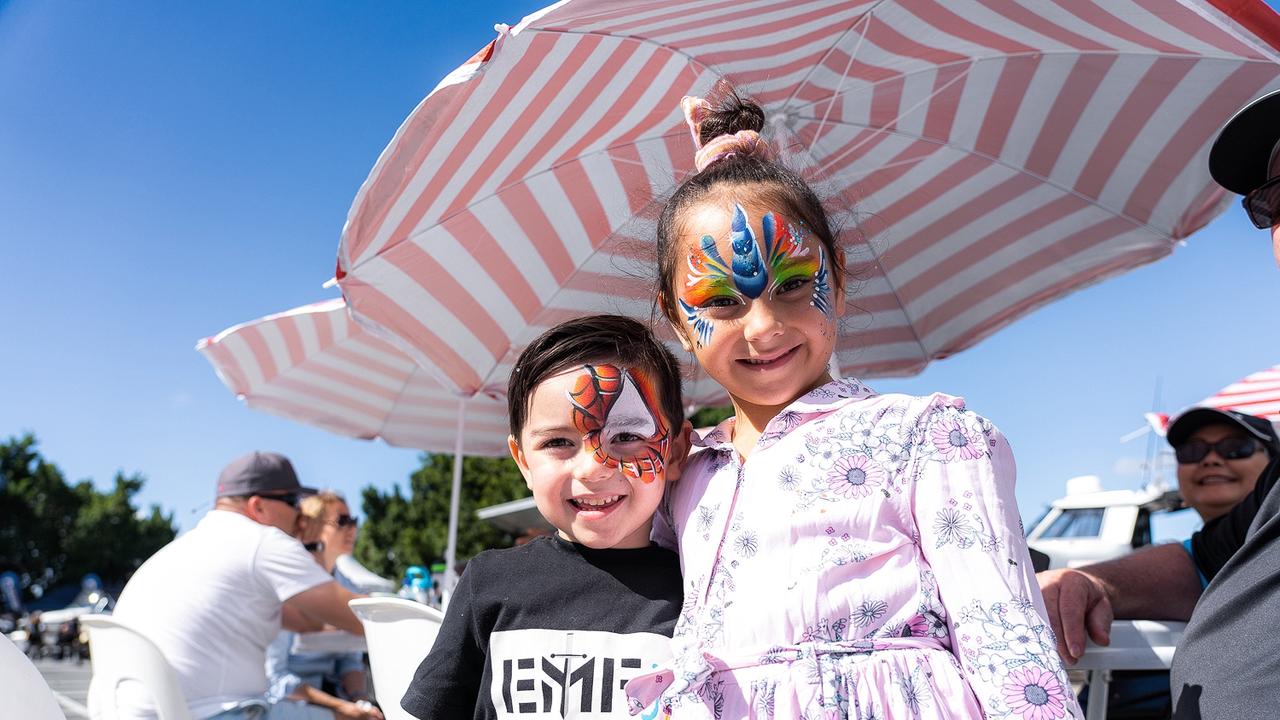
column 1090, row 524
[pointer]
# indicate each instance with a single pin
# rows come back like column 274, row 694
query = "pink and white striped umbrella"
column 1258, row 394
column 1002, row 154
column 313, row 364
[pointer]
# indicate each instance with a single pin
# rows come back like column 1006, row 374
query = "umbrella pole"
column 451, row 549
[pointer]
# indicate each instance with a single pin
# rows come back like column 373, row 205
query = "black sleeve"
column 1222, row 536
column 447, row 683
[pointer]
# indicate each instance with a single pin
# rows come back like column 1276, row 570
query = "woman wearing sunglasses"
column 1221, row 454
column 319, row 686
column 337, row 527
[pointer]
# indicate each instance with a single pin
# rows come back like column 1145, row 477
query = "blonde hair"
column 315, row 506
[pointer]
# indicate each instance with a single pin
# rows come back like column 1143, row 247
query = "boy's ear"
column 518, row 455
column 678, row 451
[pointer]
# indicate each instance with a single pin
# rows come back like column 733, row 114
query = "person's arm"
column 447, row 683
column 327, row 603
column 1156, row 583
column 351, row 674
column 970, row 533
column 293, row 620
column 342, row 709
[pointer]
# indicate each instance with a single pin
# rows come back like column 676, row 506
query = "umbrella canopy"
column 313, row 364
column 1258, row 394
column 1000, row 154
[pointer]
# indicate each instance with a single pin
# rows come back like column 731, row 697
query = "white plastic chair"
column 399, row 633
column 25, row 692
column 121, row 654
column 1135, row 645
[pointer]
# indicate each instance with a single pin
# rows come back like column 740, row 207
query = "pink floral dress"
column 867, row 561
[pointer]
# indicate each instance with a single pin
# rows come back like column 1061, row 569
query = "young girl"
column 845, row 554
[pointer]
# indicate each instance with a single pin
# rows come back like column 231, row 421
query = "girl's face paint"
column 759, row 305
column 782, row 264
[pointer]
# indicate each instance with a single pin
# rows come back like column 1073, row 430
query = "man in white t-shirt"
column 213, row 599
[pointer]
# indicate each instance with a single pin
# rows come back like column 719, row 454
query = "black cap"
column 1239, row 158
column 260, row 473
column 1195, row 418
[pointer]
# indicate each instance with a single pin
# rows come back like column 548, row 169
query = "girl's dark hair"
column 594, row 340
column 772, row 183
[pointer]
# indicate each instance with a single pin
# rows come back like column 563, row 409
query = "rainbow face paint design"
column 607, row 401
column 754, row 268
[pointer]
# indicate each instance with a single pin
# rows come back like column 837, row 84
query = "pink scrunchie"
column 743, row 142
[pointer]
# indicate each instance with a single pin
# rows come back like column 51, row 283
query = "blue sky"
column 170, row 169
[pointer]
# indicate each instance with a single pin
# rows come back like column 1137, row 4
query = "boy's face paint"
column 594, row 451
column 610, row 403
column 780, row 264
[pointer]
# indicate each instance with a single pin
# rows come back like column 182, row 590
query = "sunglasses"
column 345, row 521
column 1263, row 204
column 290, row 499
column 1232, row 448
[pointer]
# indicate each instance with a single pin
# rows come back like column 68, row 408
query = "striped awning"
column 985, row 157
column 1258, row 394
column 315, row 365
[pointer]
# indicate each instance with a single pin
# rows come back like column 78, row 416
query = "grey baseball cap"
column 1197, row 417
column 260, row 473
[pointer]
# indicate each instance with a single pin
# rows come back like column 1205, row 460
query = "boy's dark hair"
column 594, row 340
column 776, row 186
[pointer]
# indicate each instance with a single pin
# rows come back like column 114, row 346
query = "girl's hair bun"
column 730, row 114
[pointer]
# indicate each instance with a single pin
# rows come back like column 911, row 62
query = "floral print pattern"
column 1035, row 694
column 817, row 570
column 855, row 476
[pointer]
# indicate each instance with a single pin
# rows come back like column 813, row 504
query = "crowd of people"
column 827, row 552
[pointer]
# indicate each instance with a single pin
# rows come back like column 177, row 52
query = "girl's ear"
column 518, row 455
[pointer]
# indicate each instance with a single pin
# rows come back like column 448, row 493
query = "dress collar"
column 821, row 400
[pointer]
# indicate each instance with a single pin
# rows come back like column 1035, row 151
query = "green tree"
column 710, row 416
column 400, row 531
column 134, row 537
column 52, row 532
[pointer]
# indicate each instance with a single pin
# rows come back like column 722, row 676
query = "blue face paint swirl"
column 701, row 326
column 821, row 286
column 748, row 268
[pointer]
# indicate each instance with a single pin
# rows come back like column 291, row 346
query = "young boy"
column 555, row 628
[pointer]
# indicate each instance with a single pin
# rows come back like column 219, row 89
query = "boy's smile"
column 594, row 451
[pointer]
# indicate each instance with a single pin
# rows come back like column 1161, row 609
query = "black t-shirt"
column 1228, row 663
column 551, row 629
column 1224, row 535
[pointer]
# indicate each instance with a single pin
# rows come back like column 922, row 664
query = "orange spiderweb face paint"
column 618, row 413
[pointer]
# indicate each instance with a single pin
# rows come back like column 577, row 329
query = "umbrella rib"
column 997, row 161
column 550, row 168
column 865, row 20
column 1006, row 56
